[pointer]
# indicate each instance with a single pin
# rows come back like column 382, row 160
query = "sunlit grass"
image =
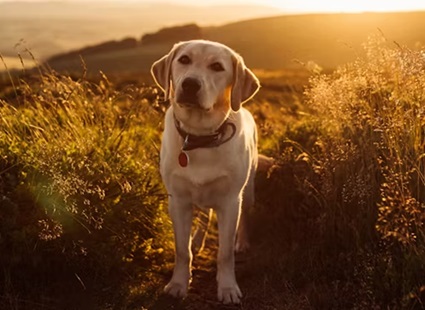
column 373, row 112
column 79, row 177
column 346, row 201
column 363, row 171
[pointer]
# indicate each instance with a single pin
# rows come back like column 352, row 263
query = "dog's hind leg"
column 242, row 236
column 203, row 218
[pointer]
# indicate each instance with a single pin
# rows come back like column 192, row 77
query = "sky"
column 299, row 5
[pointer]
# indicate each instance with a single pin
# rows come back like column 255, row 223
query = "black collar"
column 216, row 139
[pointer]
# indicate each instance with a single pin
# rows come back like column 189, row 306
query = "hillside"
column 52, row 27
column 328, row 40
column 272, row 43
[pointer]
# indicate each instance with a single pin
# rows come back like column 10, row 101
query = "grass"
column 338, row 222
column 367, row 167
column 80, row 188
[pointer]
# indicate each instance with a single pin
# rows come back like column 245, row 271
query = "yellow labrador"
column 208, row 153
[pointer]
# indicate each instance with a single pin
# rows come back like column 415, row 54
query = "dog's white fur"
column 221, row 178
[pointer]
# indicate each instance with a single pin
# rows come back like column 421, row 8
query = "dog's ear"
column 245, row 83
column 161, row 71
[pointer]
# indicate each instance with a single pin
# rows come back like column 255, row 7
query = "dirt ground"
column 260, row 284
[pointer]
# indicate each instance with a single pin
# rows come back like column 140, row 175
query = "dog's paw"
column 176, row 289
column 229, row 295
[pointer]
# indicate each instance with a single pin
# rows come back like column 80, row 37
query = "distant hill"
column 267, row 43
column 51, row 27
column 173, row 34
column 328, row 40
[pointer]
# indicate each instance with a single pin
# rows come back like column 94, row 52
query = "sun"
column 337, row 6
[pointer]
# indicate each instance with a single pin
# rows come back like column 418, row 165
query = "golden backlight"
column 313, row 6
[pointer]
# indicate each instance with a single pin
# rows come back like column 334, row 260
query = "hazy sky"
column 300, row 5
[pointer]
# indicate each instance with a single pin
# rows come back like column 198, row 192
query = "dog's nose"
column 191, row 86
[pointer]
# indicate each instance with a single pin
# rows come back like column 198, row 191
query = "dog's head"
column 204, row 80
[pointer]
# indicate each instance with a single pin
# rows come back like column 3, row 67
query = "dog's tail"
column 265, row 163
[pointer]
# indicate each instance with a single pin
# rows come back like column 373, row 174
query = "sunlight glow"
column 289, row 6
column 348, row 6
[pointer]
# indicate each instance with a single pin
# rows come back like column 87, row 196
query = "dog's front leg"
column 227, row 217
column 181, row 216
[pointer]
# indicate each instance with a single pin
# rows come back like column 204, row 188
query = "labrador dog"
column 208, row 154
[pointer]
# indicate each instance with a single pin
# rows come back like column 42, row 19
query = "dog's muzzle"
column 189, row 92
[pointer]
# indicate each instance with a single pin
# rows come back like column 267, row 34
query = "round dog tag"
column 183, row 159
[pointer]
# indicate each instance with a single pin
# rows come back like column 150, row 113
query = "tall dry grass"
column 347, row 197
column 373, row 113
column 364, row 173
column 80, row 194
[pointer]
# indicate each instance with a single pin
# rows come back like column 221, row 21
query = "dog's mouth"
column 190, row 102
column 194, row 108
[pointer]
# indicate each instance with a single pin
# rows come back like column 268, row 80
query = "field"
column 338, row 222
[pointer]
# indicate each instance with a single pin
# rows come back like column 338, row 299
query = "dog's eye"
column 217, row 67
column 185, row 60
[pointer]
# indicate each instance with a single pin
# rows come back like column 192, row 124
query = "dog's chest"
column 204, row 166
column 209, row 175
